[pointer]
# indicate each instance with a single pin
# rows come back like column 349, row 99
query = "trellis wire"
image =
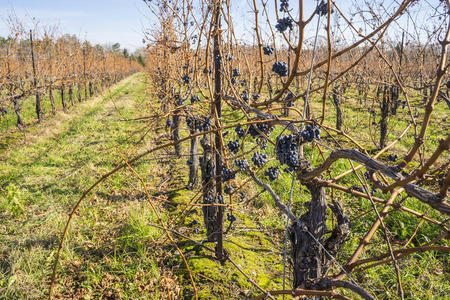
column 293, row 172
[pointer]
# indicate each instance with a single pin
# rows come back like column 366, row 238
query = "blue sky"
column 111, row 21
column 98, row 21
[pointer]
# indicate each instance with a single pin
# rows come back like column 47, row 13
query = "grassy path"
column 43, row 174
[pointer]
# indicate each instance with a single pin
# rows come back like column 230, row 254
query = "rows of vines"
column 338, row 115
column 40, row 66
column 275, row 105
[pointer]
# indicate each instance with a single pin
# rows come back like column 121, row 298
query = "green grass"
column 40, row 182
column 112, row 251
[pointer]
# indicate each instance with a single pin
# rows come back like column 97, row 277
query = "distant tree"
column 141, row 60
column 116, row 46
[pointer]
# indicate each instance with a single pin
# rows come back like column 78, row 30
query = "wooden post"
column 84, row 74
column 38, row 96
column 217, row 110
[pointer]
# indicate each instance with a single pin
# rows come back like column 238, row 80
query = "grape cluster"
column 357, row 188
column 203, row 124
column 236, row 72
column 289, row 96
column 256, row 96
column 362, row 189
column 244, row 96
column 178, row 100
column 284, row 5
column 228, row 174
column 393, row 157
column 280, row 67
column 262, row 127
column 206, row 125
column 310, row 133
column 268, row 50
column 252, row 130
column 230, row 217
column 234, row 81
column 259, row 159
column 242, row 195
column 284, row 23
column 243, row 83
column 208, row 199
column 229, row 57
column 239, row 131
column 287, row 150
column 186, row 79
column 228, row 189
column 242, row 164
column 195, row 98
column 262, row 143
column 233, row 146
column 219, row 199
column 272, row 173
column 194, row 222
column 322, row 9
column 192, row 122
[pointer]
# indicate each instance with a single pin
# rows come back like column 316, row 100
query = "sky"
column 98, row 21
column 123, row 21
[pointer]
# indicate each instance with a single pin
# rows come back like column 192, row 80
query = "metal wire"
column 293, row 172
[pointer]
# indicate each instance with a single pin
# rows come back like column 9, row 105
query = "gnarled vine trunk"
column 79, row 86
column 175, row 131
column 17, row 110
column 71, row 94
column 208, row 168
column 384, row 106
column 52, row 100
column 63, row 100
column 309, row 259
column 193, row 161
column 337, row 104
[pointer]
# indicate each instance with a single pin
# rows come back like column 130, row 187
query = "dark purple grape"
column 233, row 146
column 272, row 173
column 268, row 50
column 280, row 67
column 242, row 164
column 284, row 23
column 230, row 217
column 228, row 189
column 239, row 131
column 259, row 159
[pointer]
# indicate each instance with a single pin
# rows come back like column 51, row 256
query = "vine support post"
column 217, row 110
column 84, row 72
column 35, row 87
